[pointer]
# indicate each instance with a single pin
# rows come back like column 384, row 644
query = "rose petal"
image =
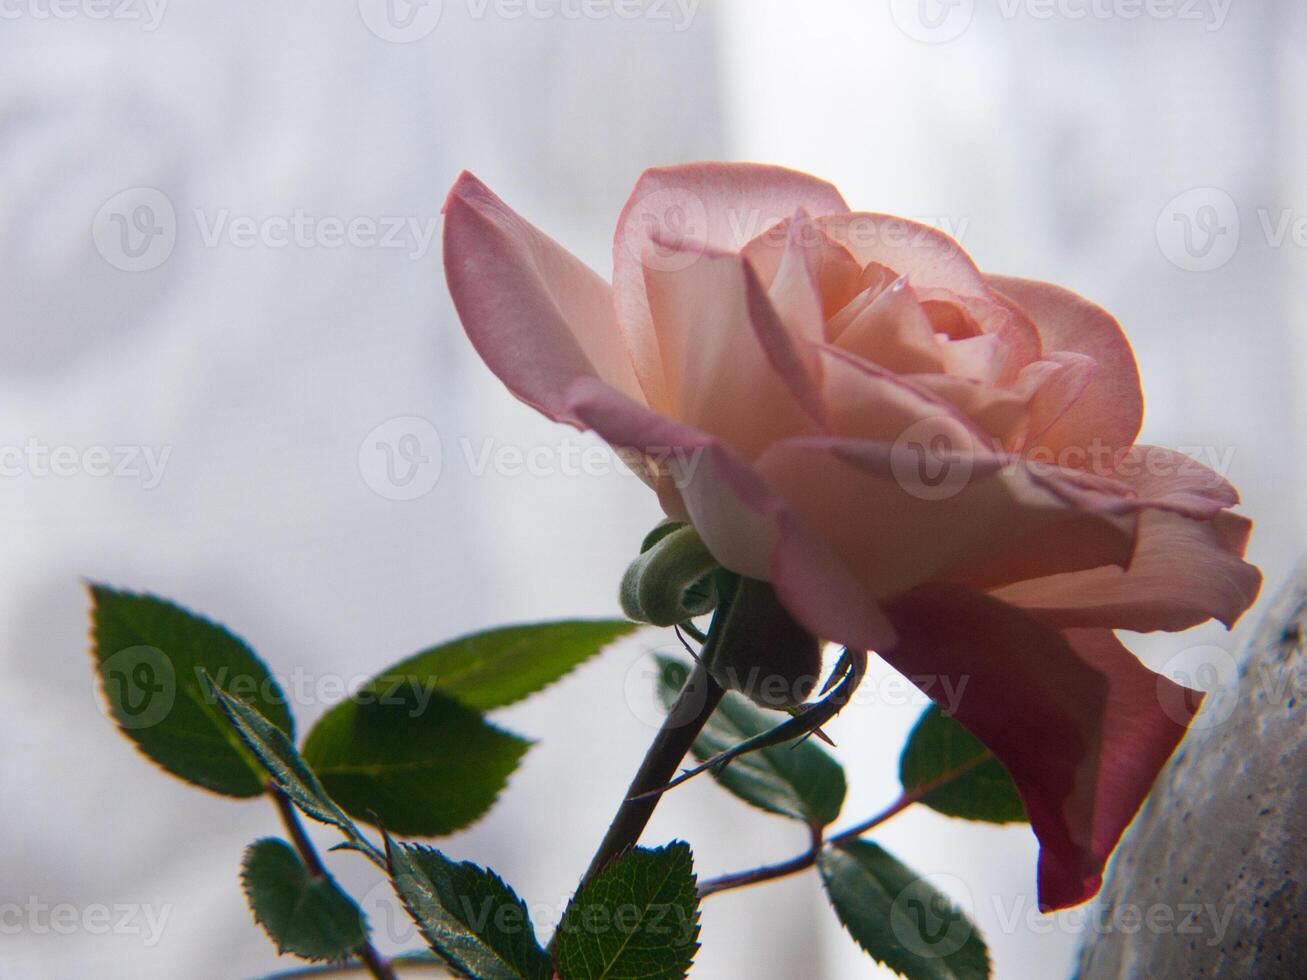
column 902, row 514
column 894, row 332
column 710, row 205
column 1183, row 572
column 1055, row 389
column 538, row 317
column 745, row 524
column 865, row 401
column 1110, row 409
column 1170, row 480
column 926, row 255
column 872, row 281
column 942, row 273
column 796, row 254
column 1077, row 721
column 732, row 369
column 794, row 290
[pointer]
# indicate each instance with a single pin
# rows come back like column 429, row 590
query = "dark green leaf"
column 279, row 759
column 149, row 655
column 939, row 747
column 638, row 918
column 500, row 666
column 899, row 919
column 302, row 913
column 801, row 781
column 412, row 760
column 468, row 915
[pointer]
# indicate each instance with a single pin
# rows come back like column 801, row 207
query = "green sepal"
column 671, row 581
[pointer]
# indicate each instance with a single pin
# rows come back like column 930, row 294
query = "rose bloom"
column 925, row 461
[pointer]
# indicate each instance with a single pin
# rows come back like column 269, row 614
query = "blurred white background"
column 1058, row 140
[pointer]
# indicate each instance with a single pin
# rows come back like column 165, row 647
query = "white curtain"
column 1051, row 146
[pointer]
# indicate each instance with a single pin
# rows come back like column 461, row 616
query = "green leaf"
column 149, row 655
column 471, row 918
column 500, row 666
column 972, row 783
column 802, row 781
column 303, row 914
column 638, row 918
column 410, row 749
column 412, row 760
column 899, row 919
column 276, row 753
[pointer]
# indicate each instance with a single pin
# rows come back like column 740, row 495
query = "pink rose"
column 925, row 461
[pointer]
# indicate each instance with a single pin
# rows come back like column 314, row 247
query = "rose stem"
column 808, row 858
column 694, row 705
column 373, row 960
